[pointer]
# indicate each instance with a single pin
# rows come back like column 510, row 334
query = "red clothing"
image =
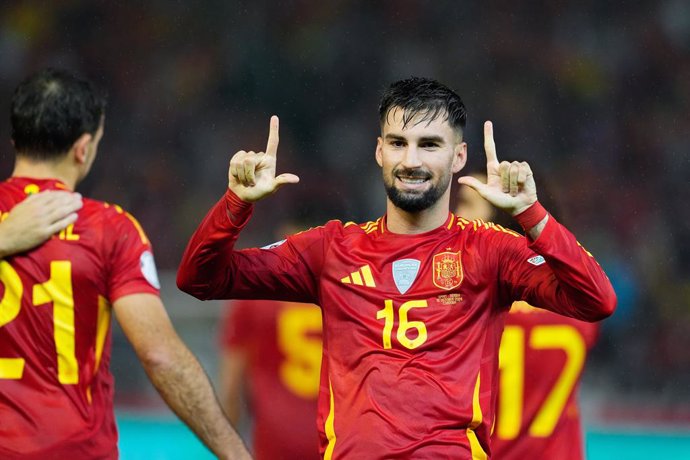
column 282, row 343
column 412, row 323
column 542, row 357
column 56, row 392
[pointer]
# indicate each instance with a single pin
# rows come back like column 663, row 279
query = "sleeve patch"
column 536, row 260
column 274, row 245
column 148, row 269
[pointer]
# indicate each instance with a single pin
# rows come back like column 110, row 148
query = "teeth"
column 411, row 181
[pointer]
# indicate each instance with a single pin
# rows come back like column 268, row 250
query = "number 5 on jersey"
column 404, row 324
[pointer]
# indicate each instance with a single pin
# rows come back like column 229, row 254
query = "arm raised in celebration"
column 209, row 265
column 570, row 282
column 509, row 186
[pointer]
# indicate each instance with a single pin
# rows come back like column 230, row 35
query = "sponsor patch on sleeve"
column 536, row 260
column 274, row 245
column 148, row 269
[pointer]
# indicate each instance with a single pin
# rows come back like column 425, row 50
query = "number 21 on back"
column 58, row 291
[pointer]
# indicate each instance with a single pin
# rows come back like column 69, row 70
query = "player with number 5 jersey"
column 413, row 302
column 272, row 351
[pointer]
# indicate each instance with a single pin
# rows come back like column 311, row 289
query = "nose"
column 411, row 158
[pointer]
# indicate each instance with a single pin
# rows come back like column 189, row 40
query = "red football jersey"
column 412, row 323
column 542, row 356
column 56, row 392
column 282, row 341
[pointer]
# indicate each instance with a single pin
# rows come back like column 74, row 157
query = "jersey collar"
column 32, row 185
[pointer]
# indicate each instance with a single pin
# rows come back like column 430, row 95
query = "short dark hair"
column 50, row 110
column 426, row 97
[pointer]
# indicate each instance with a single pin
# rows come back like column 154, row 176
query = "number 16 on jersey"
column 404, row 324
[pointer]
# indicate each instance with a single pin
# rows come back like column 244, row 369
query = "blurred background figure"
column 541, row 361
column 270, row 366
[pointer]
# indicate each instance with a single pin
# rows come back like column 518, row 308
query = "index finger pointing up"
column 272, row 145
column 489, row 145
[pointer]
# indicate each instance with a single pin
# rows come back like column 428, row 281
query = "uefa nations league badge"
column 404, row 273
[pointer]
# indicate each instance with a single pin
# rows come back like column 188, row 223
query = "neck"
column 411, row 223
column 27, row 167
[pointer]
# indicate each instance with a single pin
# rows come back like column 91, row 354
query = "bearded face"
column 418, row 158
column 414, row 190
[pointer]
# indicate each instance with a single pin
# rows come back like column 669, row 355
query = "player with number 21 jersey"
column 55, row 312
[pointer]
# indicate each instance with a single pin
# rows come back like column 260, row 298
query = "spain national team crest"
column 447, row 268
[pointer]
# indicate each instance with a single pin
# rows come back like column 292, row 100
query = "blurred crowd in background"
column 595, row 95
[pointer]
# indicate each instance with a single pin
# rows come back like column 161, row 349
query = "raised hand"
column 252, row 176
column 509, row 186
column 37, row 218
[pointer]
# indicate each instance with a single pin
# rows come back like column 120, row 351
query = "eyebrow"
column 395, row 137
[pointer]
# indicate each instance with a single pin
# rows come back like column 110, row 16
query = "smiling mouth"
column 412, row 176
column 412, row 180
column 414, row 183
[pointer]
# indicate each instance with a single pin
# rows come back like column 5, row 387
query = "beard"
column 413, row 201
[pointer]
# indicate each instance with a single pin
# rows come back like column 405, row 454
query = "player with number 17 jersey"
column 56, row 390
column 542, row 358
column 412, row 323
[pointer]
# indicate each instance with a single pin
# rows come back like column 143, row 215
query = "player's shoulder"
column 338, row 227
column 114, row 217
column 109, row 211
column 523, row 313
column 9, row 195
column 481, row 229
column 362, row 228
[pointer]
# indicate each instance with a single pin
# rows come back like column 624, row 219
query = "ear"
column 459, row 156
column 81, row 148
column 379, row 151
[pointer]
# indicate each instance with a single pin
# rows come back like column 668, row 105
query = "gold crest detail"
column 447, row 268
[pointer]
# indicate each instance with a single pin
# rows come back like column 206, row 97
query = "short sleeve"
column 131, row 266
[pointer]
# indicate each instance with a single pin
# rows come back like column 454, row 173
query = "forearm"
column 208, row 254
column 184, row 386
column 10, row 239
column 5, row 250
column 231, row 377
column 579, row 288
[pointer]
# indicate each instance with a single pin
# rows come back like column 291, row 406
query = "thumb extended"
column 472, row 182
column 285, row 178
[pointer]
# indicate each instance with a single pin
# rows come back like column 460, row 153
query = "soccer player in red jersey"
column 414, row 302
column 541, row 359
column 272, row 352
column 56, row 301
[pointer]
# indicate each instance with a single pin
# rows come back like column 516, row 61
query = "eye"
column 397, row 143
column 429, row 145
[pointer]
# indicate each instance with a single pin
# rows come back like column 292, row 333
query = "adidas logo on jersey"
column 361, row 277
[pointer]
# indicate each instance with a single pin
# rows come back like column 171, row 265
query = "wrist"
column 531, row 216
column 236, row 202
column 237, row 211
